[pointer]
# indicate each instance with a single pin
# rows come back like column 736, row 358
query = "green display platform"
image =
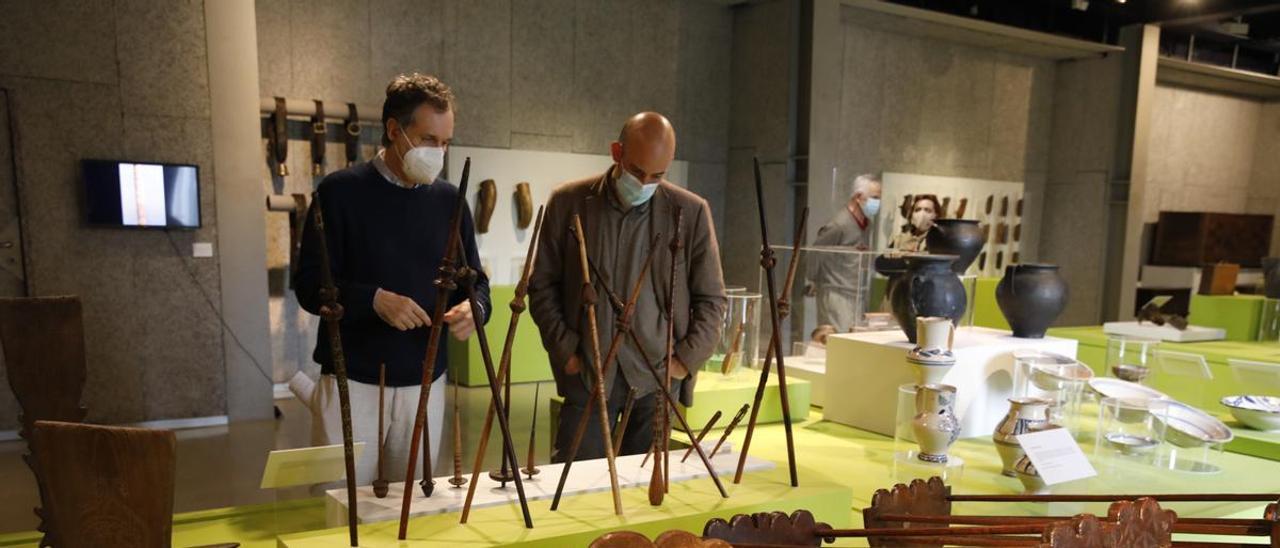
column 1240, row 315
column 581, row 519
column 529, row 363
column 986, row 312
column 1252, row 442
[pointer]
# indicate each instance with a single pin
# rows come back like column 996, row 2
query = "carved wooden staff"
column 517, row 306
column 657, row 378
column 703, row 434
column 742, row 412
column 589, row 308
column 775, row 341
column 380, row 485
column 467, row 278
column 445, row 284
column 529, row 469
column 675, row 246
column 784, row 309
column 623, row 314
column 457, row 480
column 622, row 423
column 332, row 312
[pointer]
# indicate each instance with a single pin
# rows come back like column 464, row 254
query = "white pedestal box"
column 865, row 369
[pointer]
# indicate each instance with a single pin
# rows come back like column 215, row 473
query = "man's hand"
column 461, row 323
column 678, row 369
column 573, row 366
column 399, row 311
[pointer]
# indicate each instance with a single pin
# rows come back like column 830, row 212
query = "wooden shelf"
column 901, row 19
column 1219, row 79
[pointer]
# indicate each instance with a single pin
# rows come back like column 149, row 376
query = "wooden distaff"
column 623, row 328
column 467, row 277
column 589, row 307
column 517, row 306
column 457, row 480
column 380, row 485
column 445, row 284
column 332, row 312
column 737, row 418
column 671, row 342
column 529, row 469
column 705, row 429
column 729, row 362
column 622, row 423
column 624, row 322
column 775, row 340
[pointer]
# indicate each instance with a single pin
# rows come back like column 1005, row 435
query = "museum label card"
column 1056, row 456
column 306, row 466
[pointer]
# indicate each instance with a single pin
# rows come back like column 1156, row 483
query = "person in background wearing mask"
column 386, row 226
column 924, row 209
column 621, row 211
column 833, row 277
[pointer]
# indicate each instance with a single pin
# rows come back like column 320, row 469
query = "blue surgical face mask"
column 871, row 207
column 633, row 192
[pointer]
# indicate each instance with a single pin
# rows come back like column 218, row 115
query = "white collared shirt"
column 380, row 164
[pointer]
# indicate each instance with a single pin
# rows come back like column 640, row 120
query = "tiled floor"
column 222, row 466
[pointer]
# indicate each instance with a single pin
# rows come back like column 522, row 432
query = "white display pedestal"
column 1166, row 332
column 585, row 477
column 815, row 372
column 867, row 368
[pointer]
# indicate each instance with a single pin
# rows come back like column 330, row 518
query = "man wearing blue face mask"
column 386, row 226
column 833, row 277
column 621, row 211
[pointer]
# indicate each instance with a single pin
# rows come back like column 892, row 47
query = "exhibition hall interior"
column 639, row 273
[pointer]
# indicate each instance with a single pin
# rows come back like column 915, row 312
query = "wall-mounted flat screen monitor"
column 141, row 194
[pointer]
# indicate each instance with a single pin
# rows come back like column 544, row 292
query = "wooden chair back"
column 106, row 486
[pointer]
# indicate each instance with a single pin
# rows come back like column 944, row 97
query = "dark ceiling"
column 1257, row 49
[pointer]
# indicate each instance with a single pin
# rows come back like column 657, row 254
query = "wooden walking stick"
column 467, row 278
column 529, row 469
column 622, row 423
column 705, row 429
column 593, row 342
column 775, row 341
column 457, row 480
column 517, row 306
column 675, row 246
column 657, row 378
column 623, row 313
column 380, row 485
column 445, row 284
column 729, row 429
column 332, row 312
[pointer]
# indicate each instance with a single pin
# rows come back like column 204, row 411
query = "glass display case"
column 1058, row 379
column 739, row 344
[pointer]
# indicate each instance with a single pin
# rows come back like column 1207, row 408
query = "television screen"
column 138, row 194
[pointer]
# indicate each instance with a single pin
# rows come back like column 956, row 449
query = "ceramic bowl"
column 1186, row 426
column 1257, row 412
column 1131, row 373
column 1116, row 388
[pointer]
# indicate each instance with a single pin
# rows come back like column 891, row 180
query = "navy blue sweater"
column 381, row 235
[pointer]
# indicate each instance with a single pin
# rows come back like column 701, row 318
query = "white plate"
column 1191, row 427
column 1110, row 387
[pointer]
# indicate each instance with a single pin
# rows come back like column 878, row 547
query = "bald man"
column 621, row 211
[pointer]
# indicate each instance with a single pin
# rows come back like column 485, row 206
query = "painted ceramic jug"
column 932, row 357
column 1025, row 415
column 935, row 425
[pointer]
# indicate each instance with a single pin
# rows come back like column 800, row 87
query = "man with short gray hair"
column 833, row 276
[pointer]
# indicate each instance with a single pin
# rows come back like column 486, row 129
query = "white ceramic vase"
column 935, row 424
column 932, row 357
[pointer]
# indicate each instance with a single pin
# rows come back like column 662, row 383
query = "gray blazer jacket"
column 556, row 284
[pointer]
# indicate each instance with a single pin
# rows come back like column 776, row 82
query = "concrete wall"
column 919, row 105
column 1083, row 147
column 555, row 75
column 1212, row 152
column 118, row 80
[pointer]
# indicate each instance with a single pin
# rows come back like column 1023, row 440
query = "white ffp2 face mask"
column 632, row 190
column 422, row 164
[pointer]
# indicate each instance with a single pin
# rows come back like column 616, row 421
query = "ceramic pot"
column 1025, row 415
column 1029, row 476
column 928, row 288
column 1271, row 277
column 1031, row 296
column 959, row 237
column 932, row 357
column 935, row 425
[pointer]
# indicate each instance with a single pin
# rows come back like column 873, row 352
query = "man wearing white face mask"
column 387, row 226
column 621, row 211
column 833, row 277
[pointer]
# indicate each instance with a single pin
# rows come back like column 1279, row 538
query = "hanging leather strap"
column 353, row 135
column 297, row 221
column 317, row 139
column 278, row 138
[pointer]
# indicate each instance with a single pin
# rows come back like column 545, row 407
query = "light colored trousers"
column 399, row 406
